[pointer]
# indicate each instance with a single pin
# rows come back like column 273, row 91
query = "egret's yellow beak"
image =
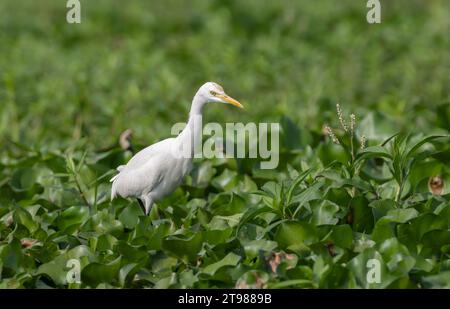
column 229, row 100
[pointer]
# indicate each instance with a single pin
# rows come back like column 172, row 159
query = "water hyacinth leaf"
column 231, row 259
column 396, row 256
column 130, row 216
column 426, row 223
column 438, row 281
column 57, row 269
column 295, row 235
column 103, row 222
column 73, row 216
column 188, row 279
column 324, row 213
column 127, row 272
column 95, row 273
column 253, row 279
column 370, row 270
column 384, row 229
column 362, row 214
column 380, row 208
column 214, row 237
column 130, row 253
column 24, row 179
column 401, row 215
column 23, row 217
column 225, row 181
column 183, row 247
column 337, row 277
column 342, row 236
column 202, row 175
column 254, row 247
column 103, row 242
column 153, row 239
column 227, row 204
column 11, row 256
column 437, row 240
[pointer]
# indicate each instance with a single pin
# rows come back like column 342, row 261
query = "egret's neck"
column 197, row 106
column 191, row 136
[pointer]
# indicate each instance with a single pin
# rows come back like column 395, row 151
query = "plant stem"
column 77, row 183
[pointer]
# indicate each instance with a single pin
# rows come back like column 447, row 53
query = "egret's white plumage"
column 157, row 170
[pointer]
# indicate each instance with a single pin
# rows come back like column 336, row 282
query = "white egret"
column 157, row 170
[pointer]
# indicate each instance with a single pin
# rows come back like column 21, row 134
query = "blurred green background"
column 137, row 64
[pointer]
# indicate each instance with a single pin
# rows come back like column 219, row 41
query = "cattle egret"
column 157, row 170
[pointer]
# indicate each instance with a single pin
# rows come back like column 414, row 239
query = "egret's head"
column 212, row 92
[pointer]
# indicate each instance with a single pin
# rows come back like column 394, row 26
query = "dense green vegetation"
column 67, row 92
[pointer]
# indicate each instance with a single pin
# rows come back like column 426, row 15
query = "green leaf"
column 380, row 208
column 225, row 181
column 24, row 179
column 130, row 216
column 384, row 229
column 362, row 214
column 325, row 213
column 389, row 138
column 127, row 272
column 295, row 185
column 401, row 215
column 73, row 216
column 103, row 222
column 417, row 145
column 365, row 265
column 308, row 194
column 11, row 255
column 373, row 152
column 227, row 204
column 202, row 176
column 438, row 281
column 183, row 247
column 426, row 223
column 24, row 218
column 397, row 257
column 231, row 259
column 95, row 273
column 342, row 236
column 57, row 269
column 254, row 247
column 436, row 240
column 296, row 235
column 214, row 237
column 188, row 279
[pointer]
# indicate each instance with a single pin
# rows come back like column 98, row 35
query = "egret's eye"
column 213, row 93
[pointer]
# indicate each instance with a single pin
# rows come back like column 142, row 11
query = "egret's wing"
column 137, row 181
column 145, row 155
column 119, row 169
column 143, row 172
